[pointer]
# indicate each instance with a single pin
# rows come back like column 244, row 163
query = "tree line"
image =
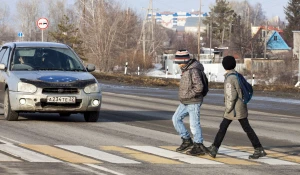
column 108, row 34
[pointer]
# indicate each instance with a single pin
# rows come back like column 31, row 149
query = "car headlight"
column 25, row 87
column 92, row 88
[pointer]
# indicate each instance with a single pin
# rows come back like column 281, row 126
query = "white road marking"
column 5, row 158
column 173, row 155
column 245, row 155
column 3, row 141
column 87, row 169
column 26, row 154
column 103, row 169
column 97, row 154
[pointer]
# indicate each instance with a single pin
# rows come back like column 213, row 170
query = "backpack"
column 247, row 90
column 204, row 82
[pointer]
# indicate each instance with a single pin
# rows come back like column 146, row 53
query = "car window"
column 2, row 53
column 46, row 59
column 5, row 57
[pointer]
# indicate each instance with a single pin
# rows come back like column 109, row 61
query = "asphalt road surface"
column 135, row 136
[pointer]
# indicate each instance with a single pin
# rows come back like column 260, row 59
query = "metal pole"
column 167, row 72
column 253, row 79
column 125, row 72
column 299, row 64
column 298, row 83
column 42, row 36
column 265, row 48
column 199, row 31
column 210, row 35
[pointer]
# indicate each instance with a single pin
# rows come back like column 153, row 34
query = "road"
column 135, row 136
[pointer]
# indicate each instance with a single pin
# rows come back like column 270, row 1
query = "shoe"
column 204, row 148
column 258, row 152
column 196, row 150
column 213, row 151
column 186, row 144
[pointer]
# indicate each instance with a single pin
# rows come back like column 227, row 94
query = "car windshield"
column 41, row 59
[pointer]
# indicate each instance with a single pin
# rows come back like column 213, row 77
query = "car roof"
column 35, row 44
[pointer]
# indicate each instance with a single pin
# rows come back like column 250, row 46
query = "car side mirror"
column 90, row 67
column 2, row 66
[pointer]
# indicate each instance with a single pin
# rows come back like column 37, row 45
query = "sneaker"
column 258, row 152
column 212, row 151
column 186, row 144
column 196, row 150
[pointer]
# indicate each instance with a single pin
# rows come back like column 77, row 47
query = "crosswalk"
column 78, row 154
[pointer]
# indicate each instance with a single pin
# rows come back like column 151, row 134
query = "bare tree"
column 253, row 14
column 6, row 31
column 108, row 31
column 188, row 41
column 27, row 15
column 54, row 15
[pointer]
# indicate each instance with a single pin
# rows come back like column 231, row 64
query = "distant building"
column 173, row 19
column 274, row 41
column 191, row 25
column 296, row 41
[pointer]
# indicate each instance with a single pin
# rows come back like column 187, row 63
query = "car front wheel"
column 9, row 114
column 91, row 116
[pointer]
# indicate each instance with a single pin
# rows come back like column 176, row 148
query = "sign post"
column 20, row 34
column 43, row 24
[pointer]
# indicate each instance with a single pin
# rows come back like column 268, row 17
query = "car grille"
column 60, row 90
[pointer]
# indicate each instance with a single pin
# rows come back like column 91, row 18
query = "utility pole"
column 298, row 83
column 210, row 33
column 152, row 31
column 199, row 30
column 143, row 35
column 265, row 45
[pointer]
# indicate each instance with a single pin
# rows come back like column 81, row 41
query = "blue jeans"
column 193, row 110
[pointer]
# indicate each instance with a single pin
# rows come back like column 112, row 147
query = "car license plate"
column 61, row 99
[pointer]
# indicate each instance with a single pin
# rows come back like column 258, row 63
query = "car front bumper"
column 37, row 102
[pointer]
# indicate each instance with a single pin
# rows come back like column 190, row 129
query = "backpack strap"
column 236, row 74
column 231, row 74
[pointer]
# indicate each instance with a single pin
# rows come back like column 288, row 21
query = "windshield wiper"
column 49, row 69
column 20, row 69
column 79, row 70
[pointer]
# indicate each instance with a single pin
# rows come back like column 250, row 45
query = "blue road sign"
column 20, row 34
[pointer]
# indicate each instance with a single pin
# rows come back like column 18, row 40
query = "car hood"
column 51, row 76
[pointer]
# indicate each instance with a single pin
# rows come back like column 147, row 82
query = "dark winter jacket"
column 234, row 107
column 190, row 88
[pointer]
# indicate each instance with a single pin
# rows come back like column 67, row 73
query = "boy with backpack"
column 193, row 87
column 235, row 109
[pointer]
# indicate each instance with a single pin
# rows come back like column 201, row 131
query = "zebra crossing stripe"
column 60, row 154
column 97, row 154
column 173, row 155
column 220, row 158
column 245, row 155
column 273, row 154
column 140, row 155
column 104, row 169
column 26, row 154
column 5, row 158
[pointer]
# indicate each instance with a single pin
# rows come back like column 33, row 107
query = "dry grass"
column 174, row 83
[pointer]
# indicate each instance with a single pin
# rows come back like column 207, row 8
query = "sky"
column 271, row 7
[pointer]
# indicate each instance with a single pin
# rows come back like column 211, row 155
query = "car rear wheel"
column 91, row 116
column 64, row 114
column 9, row 114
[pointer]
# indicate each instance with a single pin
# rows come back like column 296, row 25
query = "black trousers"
column 246, row 127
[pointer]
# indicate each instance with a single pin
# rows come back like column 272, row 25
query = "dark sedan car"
column 46, row 77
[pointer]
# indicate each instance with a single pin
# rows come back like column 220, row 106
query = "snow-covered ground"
column 157, row 71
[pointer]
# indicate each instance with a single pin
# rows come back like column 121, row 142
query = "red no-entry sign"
column 42, row 23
